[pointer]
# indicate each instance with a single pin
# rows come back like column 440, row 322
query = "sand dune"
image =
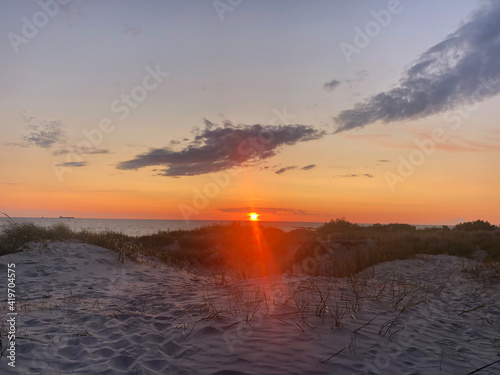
column 80, row 311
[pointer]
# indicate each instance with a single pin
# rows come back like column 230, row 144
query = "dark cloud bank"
column 217, row 148
column 462, row 69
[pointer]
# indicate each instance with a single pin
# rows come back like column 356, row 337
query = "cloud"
column 354, row 175
column 450, row 144
column 459, row 144
column 217, row 148
column 263, row 210
column 81, row 151
column 330, row 86
column 462, row 69
column 73, row 164
column 384, row 161
column 283, row 170
column 44, row 134
column 308, row 167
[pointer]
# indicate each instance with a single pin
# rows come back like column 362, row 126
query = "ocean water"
column 137, row 227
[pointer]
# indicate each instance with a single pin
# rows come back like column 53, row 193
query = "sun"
column 253, row 216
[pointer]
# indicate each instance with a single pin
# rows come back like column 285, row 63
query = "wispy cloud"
column 354, row 82
column 462, row 69
column 40, row 133
column 283, row 170
column 217, row 148
column 81, row 151
column 452, row 144
column 263, row 210
column 458, row 144
column 354, row 175
column 330, row 86
column 308, row 167
column 73, row 164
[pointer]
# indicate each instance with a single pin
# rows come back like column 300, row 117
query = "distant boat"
column 66, row 217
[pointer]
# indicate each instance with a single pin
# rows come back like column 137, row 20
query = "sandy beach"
column 250, row 187
column 81, row 311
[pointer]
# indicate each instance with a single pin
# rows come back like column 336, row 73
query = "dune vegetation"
column 337, row 248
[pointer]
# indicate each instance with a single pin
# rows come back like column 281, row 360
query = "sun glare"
column 253, row 216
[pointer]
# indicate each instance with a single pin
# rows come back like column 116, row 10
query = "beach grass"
column 338, row 248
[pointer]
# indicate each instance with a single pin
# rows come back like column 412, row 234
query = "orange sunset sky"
column 299, row 111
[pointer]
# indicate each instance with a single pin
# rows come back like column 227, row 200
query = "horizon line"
column 229, row 220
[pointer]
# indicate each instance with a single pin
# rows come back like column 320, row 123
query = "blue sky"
column 264, row 54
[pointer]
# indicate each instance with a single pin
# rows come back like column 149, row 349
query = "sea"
column 141, row 227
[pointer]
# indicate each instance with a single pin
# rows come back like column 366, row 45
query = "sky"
column 376, row 111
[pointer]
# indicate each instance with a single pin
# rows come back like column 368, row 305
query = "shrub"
column 470, row 226
column 394, row 227
column 337, row 225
